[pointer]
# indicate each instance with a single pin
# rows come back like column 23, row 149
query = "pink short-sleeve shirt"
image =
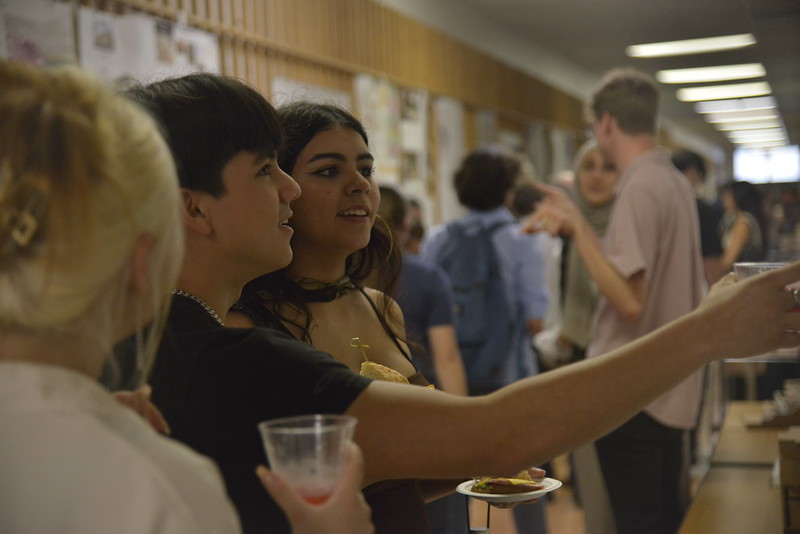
column 654, row 229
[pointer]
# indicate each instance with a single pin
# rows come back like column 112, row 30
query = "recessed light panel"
column 718, row 92
column 741, row 116
column 735, row 104
column 747, row 125
column 691, row 46
column 757, row 136
column 763, row 144
column 721, row 73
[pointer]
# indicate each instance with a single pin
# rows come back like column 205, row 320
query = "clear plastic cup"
column 308, row 451
column 747, row 269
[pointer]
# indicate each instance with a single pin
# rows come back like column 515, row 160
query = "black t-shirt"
column 398, row 506
column 214, row 385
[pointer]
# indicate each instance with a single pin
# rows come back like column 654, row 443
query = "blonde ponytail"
column 83, row 174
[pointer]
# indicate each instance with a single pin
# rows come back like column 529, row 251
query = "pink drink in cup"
column 308, row 451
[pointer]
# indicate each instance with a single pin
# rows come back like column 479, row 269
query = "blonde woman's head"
column 84, row 177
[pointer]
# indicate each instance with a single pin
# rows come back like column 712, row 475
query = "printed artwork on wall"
column 36, row 32
column 122, row 49
column 118, row 49
column 414, row 163
column 448, row 116
column 378, row 108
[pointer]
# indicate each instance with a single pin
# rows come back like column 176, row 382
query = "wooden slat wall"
column 325, row 42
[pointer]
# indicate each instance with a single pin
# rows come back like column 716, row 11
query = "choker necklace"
column 201, row 302
column 316, row 291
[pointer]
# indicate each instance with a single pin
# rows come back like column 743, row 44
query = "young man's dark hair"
column 485, row 177
column 206, row 130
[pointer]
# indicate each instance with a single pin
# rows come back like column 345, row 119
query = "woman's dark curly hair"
column 301, row 121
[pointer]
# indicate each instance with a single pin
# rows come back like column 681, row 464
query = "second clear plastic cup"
column 308, row 451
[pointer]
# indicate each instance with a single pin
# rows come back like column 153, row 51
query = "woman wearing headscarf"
column 595, row 182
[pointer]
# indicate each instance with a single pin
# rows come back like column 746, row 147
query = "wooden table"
column 742, row 446
column 735, row 500
column 735, row 496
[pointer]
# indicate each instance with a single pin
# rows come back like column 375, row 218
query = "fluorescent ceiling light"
column 771, row 133
column 717, row 92
column 712, row 74
column 747, row 125
column 764, row 137
column 741, row 116
column 762, row 144
column 735, row 104
column 691, row 46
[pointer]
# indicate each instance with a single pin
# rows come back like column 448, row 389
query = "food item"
column 377, row 371
column 505, row 486
column 522, row 483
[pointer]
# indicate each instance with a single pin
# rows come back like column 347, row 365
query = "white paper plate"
column 549, row 484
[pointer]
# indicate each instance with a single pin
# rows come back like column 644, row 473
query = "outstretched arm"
column 416, row 432
column 557, row 214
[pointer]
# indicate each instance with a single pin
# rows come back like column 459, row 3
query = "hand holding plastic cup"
column 308, row 451
column 747, row 269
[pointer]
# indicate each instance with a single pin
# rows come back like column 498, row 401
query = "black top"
column 214, row 385
column 259, row 312
column 397, row 505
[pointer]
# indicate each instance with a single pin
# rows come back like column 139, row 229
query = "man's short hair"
column 630, row 97
column 485, row 177
column 207, row 120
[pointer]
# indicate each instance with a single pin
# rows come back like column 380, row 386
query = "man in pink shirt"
column 649, row 271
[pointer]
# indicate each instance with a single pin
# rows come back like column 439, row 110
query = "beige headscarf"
column 580, row 291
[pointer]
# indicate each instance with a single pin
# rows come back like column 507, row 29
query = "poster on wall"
column 537, row 148
column 378, row 108
column 563, row 144
column 122, row 48
column 510, row 139
column 414, row 168
column 101, row 45
column 285, row 91
column 36, row 32
column 485, row 127
column 448, row 117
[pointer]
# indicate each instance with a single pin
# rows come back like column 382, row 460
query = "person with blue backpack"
column 498, row 278
column 498, row 274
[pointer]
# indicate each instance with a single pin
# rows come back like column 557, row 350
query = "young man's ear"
column 195, row 211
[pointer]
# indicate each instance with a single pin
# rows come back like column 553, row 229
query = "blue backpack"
column 485, row 317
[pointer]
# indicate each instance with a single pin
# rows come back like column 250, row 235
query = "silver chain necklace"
column 201, row 302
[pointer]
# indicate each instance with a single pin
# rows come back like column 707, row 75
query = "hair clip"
column 23, row 228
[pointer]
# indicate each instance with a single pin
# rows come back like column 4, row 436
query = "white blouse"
column 72, row 460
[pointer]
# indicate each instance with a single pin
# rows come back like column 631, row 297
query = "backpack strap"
column 460, row 228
